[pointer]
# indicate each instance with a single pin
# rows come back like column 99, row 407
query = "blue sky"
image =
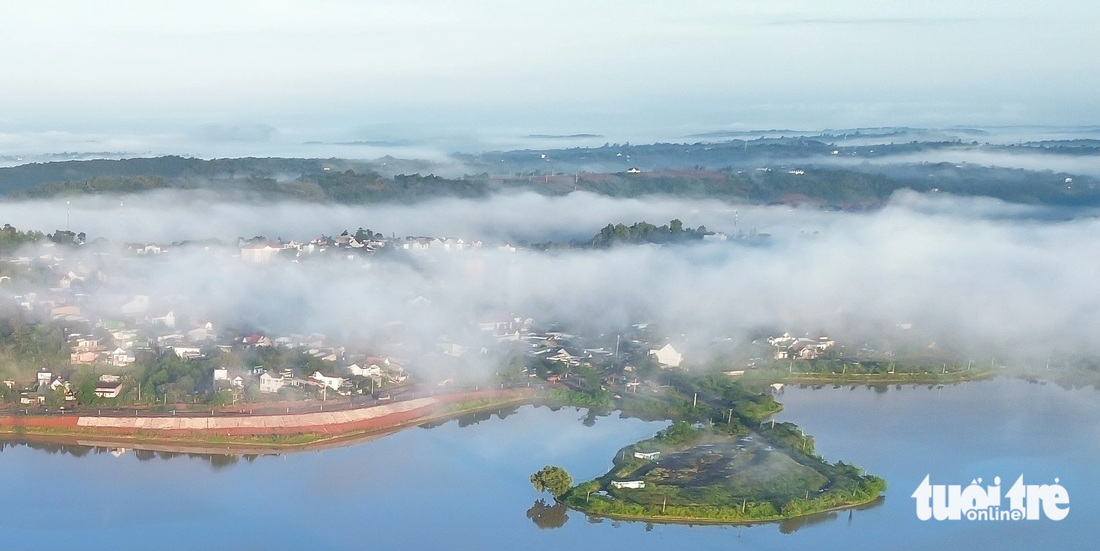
column 137, row 74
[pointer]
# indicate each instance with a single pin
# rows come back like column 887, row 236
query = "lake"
column 465, row 485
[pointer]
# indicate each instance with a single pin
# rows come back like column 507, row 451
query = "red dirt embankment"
column 369, row 419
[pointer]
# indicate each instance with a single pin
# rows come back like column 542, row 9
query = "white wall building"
column 667, row 356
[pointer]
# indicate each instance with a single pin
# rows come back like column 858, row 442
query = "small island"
column 718, row 462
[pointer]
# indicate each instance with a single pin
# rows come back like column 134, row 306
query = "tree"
column 552, row 479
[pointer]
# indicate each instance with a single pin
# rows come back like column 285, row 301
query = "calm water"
column 453, row 487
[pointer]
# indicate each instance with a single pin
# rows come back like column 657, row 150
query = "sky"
column 251, row 77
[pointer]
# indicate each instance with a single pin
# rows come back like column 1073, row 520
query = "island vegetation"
column 721, row 460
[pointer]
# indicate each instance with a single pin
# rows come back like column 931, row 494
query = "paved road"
column 339, row 403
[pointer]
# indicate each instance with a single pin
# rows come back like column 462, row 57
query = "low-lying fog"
column 971, row 273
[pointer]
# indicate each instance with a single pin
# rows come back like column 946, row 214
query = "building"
column 648, row 456
column 331, row 382
column 271, row 383
column 108, row 389
column 122, row 358
column 187, row 352
column 258, row 253
column 630, row 484
column 667, row 356
column 167, row 320
column 221, row 374
column 369, row 371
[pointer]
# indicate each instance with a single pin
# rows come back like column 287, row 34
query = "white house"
column 454, row 350
column 258, row 253
column 187, row 352
column 271, row 383
column 648, row 456
column 563, row 356
column 369, row 371
column 168, row 319
column 331, row 382
column 138, row 305
column 631, row 484
column 202, row 333
column 122, row 358
column 667, row 356
column 221, row 374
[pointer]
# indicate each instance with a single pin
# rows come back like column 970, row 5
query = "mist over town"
column 473, row 275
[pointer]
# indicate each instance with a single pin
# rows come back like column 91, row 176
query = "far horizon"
column 428, row 78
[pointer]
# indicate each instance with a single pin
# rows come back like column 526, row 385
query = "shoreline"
column 258, row 440
column 721, row 522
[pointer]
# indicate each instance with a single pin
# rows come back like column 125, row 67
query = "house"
column 667, row 356
column 260, row 252
column 167, row 320
column 453, row 349
column 256, row 340
column 138, row 305
column 221, row 374
column 237, row 382
column 44, row 377
column 203, row 333
column 648, row 456
column 331, row 382
column 271, row 383
column 59, row 385
column 417, row 243
column 121, row 357
column 563, row 356
column 187, row 352
column 85, row 344
column 31, row 399
column 452, row 243
column 327, row 355
column 787, row 346
column 108, row 389
column 124, row 338
column 86, row 357
column 631, row 484
column 64, row 311
column 369, row 371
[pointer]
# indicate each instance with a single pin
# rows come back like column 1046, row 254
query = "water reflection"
column 548, row 517
column 468, row 488
column 793, row 525
column 471, row 419
column 216, row 460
